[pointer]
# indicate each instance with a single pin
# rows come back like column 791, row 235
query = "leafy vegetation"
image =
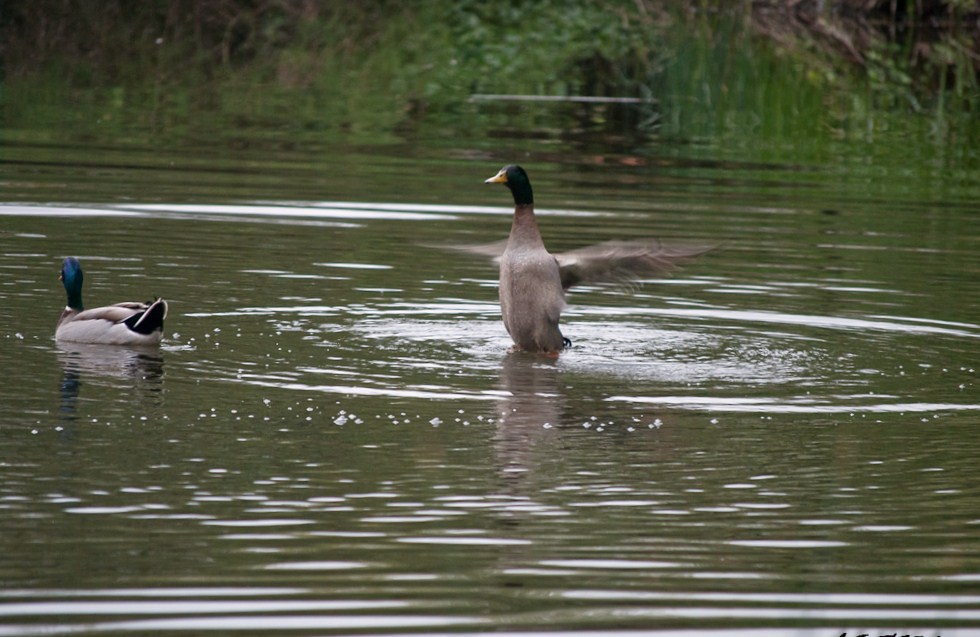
column 704, row 66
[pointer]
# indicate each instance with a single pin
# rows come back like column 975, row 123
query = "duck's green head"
column 514, row 177
column 71, row 277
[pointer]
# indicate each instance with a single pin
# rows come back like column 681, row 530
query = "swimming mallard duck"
column 120, row 324
column 533, row 281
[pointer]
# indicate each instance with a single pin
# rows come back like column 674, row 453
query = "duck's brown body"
column 531, row 294
column 533, row 281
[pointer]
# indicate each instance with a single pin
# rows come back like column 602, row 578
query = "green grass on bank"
column 377, row 67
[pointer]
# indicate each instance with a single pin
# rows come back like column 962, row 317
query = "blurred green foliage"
column 701, row 67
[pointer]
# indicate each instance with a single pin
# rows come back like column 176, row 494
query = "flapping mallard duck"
column 533, row 281
column 120, row 324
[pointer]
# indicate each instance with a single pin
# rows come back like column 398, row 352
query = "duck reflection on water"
column 139, row 369
column 534, row 404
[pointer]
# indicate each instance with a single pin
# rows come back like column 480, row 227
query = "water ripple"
column 789, row 406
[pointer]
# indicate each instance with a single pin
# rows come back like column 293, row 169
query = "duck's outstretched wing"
column 623, row 261
column 489, row 250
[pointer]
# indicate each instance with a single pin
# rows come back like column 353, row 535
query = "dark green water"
column 334, row 439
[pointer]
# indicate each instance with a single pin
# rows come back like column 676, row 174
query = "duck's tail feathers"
column 149, row 321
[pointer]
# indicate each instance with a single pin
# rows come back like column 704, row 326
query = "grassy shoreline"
column 752, row 66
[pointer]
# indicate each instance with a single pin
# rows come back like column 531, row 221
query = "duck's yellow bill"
column 499, row 178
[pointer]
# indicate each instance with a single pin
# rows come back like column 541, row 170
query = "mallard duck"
column 120, row 324
column 533, row 281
